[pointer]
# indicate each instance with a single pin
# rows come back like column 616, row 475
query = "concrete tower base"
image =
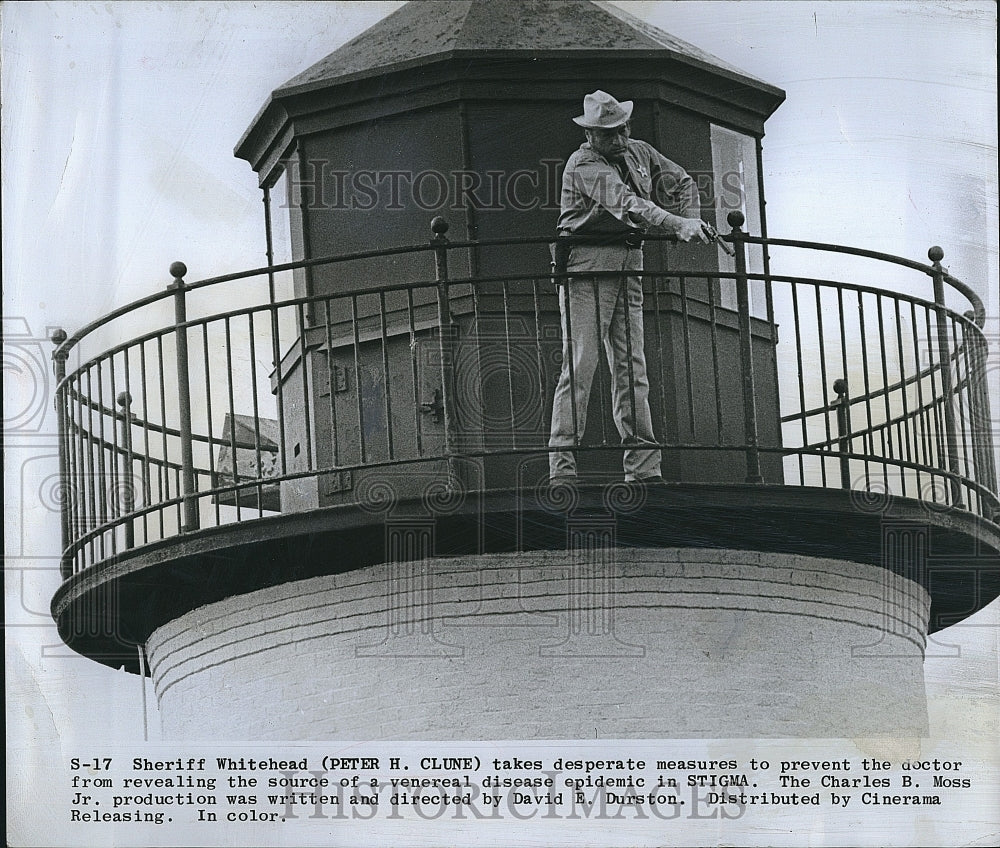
column 621, row 643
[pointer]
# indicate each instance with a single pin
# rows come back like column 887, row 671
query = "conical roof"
column 425, row 30
column 412, row 55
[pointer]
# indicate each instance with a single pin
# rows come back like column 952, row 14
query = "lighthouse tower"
column 354, row 539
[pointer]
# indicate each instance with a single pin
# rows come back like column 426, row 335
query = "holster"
column 560, row 249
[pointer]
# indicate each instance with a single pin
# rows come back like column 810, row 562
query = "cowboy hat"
column 602, row 111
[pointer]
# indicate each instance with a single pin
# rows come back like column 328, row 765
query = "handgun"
column 718, row 240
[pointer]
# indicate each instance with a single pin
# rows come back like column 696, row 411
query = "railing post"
column 59, row 357
column 189, row 520
column 736, row 219
column 125, row 402
column 446, row 348
column 843, row 431
column 279, row 377
column 936, row 254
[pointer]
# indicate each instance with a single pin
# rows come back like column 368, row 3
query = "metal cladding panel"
column 377, row 185
column 519, row 148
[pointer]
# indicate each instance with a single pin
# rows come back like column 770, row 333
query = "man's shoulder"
column 642, row 148
column 584, row 153
column 652, row 158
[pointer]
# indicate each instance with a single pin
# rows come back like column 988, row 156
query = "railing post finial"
column 58, row 336
column 59, row 355
column 935, row 254
column 439, row 226
column 736, row 220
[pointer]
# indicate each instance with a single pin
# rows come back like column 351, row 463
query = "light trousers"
column 603, row 312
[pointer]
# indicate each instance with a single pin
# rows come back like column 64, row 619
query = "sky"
column 118, row 125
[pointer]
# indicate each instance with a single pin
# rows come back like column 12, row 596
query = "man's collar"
column 628, row 149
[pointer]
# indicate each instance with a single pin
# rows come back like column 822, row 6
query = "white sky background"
column 119, row 121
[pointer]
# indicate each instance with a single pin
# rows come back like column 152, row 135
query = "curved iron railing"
column 286, row 404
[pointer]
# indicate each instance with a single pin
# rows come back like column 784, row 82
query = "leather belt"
column 632, row 238
column 561, row 246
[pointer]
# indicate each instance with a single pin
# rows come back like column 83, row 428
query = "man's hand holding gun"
column 695, row 229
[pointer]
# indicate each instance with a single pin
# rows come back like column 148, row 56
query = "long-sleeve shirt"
column 596, row 198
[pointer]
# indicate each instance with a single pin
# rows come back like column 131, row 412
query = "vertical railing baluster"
column 863, row 331
column 843, row 431
column 821, row 346
column 797, row 321
column 753, row 475
column 147, row 487
column 177, row 487
column 688, row 369
column 845, row 371
column 300, row 316
column 59, row 357
column 331, row 378
column 258, row 456
column 74, row 409
column 937, row 449
column 936, row 254
column 130, row 481
column 439, row 227
column 905, row 452
column 188, row 492
column 385, row 378
column 414, row 373
column 106, row 478
column 886, row 430
column 83, row 488
column 164, row 472
column 355, row 321
column 93, row 516
column 125, row 402
column 713, row 329
column 539, row 366
column 237, row 488
column 275, row 335
column 661, row 388
column 477, row 335
column 919, row 425
column 216, row 478
column 114, row 452
column 962, row 430
column 505, row 293
column 979, row 401
column 268, row 241
column 603, row 393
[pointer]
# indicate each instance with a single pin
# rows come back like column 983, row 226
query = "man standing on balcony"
column 607, row 203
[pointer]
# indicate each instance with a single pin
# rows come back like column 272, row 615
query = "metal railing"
column 231, row 415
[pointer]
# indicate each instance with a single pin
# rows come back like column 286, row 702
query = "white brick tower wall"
column 629, row 643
